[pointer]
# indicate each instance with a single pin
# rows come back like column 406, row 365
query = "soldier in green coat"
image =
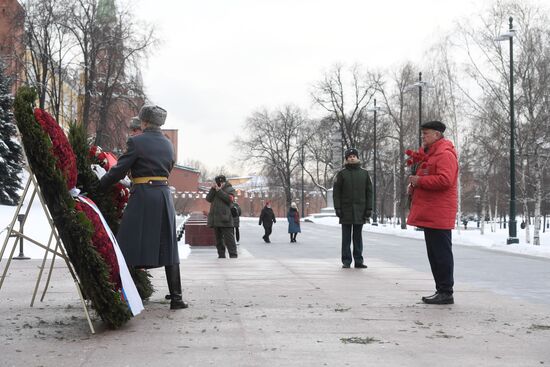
column 221, row 197
column 353, row 205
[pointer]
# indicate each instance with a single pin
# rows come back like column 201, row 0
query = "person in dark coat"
column 293, row 218
column 267, row 218
column 352, row 192
column 147, row 233
column 221, row 197
column 433, row 207
column 236, row 214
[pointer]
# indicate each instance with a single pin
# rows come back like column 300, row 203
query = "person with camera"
column 147, row 233
column 352, row 192
column 221, row 197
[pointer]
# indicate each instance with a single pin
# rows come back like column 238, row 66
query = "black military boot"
column 174, row 287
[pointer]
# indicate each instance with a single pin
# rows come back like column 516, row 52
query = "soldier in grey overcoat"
column 147, row 233
column 352, row 192
column 221, row 197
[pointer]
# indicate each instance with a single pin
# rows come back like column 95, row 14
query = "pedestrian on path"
column 352, row 192
column 147, row 233
column 433, row 207
column 221, row 197
column 293, row 218
column 267, row 218
column 236, row 214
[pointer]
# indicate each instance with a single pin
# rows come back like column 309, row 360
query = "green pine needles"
column 73, row 226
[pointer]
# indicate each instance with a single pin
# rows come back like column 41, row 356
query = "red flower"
column 62, row 149
column 102, row 243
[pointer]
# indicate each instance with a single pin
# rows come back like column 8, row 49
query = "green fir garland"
column 88, row 183
column 73, row 226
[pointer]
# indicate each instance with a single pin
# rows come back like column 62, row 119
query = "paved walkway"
column 276, row 312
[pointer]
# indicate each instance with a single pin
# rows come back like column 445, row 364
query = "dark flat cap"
column 351, row 151
column 434, row 125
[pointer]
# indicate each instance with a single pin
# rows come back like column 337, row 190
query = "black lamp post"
column 512, row 229
column 21, row 256
column 420, row 84
column 375, row 109
column 302, row 161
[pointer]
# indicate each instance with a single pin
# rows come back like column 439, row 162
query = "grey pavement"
column 283, row 304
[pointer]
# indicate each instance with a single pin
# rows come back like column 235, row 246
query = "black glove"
column 368, row 214
column 338, row 212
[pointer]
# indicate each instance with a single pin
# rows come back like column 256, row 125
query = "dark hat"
column 220, row 179
column 351, row 151
column 153, row 114
column 434, row 125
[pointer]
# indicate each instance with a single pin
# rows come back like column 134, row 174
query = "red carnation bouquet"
column 416, row 159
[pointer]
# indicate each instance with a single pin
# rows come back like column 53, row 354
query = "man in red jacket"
column 433, row 207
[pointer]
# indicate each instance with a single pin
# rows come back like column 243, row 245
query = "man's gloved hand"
column 338, row 212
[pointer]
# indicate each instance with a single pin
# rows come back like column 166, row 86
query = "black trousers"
column 440, row 253
column 225, row 238
column 267, row 230
column 357, row 243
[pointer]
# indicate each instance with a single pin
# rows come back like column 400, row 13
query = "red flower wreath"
column 102, row 243
column 62, row 149
column 66, row 163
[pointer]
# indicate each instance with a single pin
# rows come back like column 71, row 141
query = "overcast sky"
column 220, row 60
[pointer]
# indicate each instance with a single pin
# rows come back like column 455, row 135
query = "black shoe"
column 440, row 299
column 177, row 303
column 346, row 266
column 221, row 257
column 233, row 256
column 361, row 266
column 430, row 297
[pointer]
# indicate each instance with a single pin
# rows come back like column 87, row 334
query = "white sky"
column 222, row 59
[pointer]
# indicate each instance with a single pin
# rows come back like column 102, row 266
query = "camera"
column 220, row 180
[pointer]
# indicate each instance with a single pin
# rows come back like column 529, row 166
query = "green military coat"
column 220, row 206
column 353, row 194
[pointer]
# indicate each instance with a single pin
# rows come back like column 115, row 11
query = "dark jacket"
column 293, row 218
column 434, row 198
column 236, row 214
column 352, row 192
column 220, row 206
column 147, row 233
column 267, row 217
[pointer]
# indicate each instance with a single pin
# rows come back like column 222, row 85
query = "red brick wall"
column 11, row 39
column 184, row 180
column 187, row 202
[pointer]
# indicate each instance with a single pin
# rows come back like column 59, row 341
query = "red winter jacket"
column 434, row 197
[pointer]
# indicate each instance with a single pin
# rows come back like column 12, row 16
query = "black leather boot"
column 174, row 287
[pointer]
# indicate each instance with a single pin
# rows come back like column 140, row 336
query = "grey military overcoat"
column 147, row 233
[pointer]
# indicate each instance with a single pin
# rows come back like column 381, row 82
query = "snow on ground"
column 37, row 227
column 470, row 237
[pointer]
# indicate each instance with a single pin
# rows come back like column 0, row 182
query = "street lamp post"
column 512, row 229
column 420, row 84
column 302, row 161
column 375, row 109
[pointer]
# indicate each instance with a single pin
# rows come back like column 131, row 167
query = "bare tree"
column 274, row 142
column 346, row 102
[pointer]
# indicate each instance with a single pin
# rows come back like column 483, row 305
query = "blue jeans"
column 357, row 243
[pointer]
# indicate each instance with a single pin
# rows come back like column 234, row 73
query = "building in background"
column 12, row 30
